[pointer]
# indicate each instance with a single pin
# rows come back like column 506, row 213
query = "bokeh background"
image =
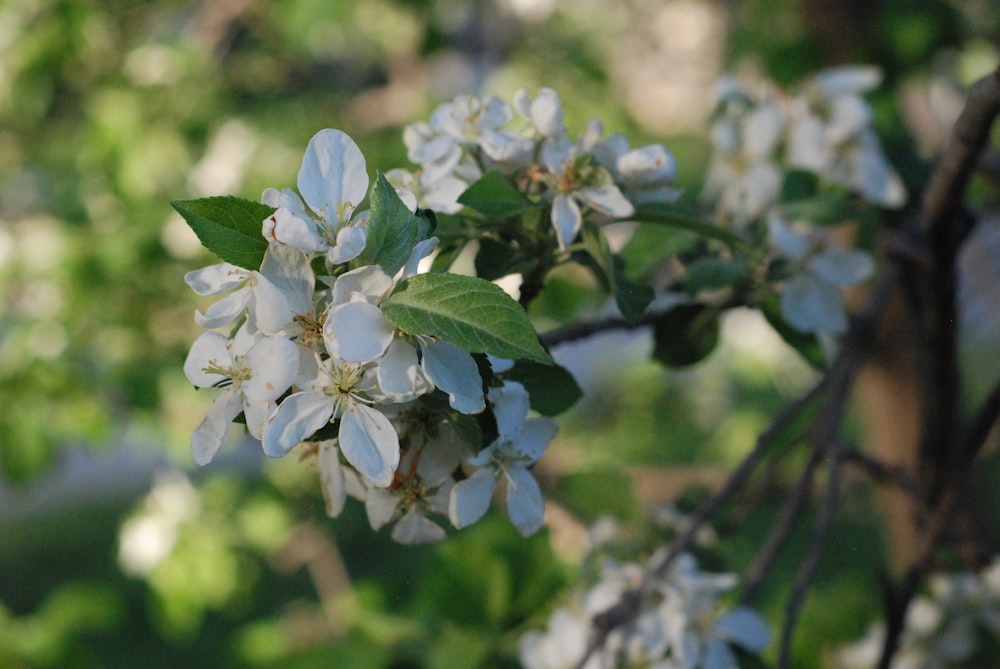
column 116, row 552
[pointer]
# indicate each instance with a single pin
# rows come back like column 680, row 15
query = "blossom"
column 811, row 300
column 832, row 134
column 644, row 174
column 340, row 391
column 332, row 181
column 270, row 306
column 248, row 372
column 744, row 176
column 519, row 444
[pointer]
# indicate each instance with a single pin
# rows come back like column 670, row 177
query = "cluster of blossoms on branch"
column 944, row 627
column 791, row 164
column 681, row 621
column 340, row 340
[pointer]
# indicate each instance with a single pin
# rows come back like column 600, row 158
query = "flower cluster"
column 466, row 138
column 789, row 161
column 681, row 623
column 315, row 359
column 943, row 627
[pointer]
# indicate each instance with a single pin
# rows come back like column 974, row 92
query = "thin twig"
column 792, row 511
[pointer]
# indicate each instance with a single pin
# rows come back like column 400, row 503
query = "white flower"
column 811, row 300
column 428, row 190
column 341, row 390
column 743, row 175
column 832, row 134
column 424, row 487
column 249, row 372
column 267, row 305
column 562, row 645
column 520, row 444
column 333, row 182
column 355, row 329
column 644, row 174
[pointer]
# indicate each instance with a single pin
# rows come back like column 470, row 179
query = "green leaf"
column 392, row 230
column 685, row 335
column 466, row 311
column 496, row 259
column 494, row 196
column 685, row 218
column 551, row 388
column 632, row 298
column 595, row 493
column 229, row 227
column 823, row 209
column 799, row 185
column 707, row 273
column 652, row 244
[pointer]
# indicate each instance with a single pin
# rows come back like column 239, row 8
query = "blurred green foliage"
column 110, row 109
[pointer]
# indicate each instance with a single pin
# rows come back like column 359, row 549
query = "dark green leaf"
column 685, row 335
column 685, row 218
column 823, row 209
column 495, row 196
column 707, row 273
column 229, row 227
column 632, row 298
column 552, row 388
column 392, row 230
column 466, row 311
column 496, row 259
column 799, row 185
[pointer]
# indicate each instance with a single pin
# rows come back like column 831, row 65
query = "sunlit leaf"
column 466, row 311
column 229, row 227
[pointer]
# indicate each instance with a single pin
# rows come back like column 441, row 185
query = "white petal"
column 399, row 374
column 331, row 476
column 414, row 528
column 270, row 306
column 216, row 279
column 547, row 113
column 785, row 238
column 454, row 371
column 842, row 267
column 470, row 498
column 421, row 250
column 525, row 506
column 370, row 443
column 297, row 418
column 535, row 437
column 566, row 219
column 380, row 504
column 807, row 147
column 209, row 349
column 762, row 131
column 744, row 627
column 357, row 332
column 648, row 166
column 274, row 364
column 333, row 178
column 848, row 79
column 370, row 280
column 718, row 656
column 226, row 310
column 289, row 270
column 351, row 241
column 510, row 406
column 256, row 414
column 812, row 305
column 608, row 200
column 297, row 231
column 211, row 434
